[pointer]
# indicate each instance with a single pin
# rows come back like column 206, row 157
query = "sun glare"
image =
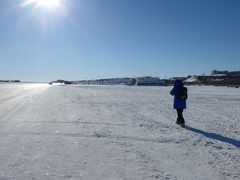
column 49, row 4
column 45, row 13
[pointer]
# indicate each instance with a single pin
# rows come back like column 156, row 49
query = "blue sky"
column 118, row 38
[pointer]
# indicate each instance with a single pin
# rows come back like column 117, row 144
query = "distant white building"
column 191, row 79
column 219, row 75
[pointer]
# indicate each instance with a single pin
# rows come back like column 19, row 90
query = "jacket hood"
column 178, row 83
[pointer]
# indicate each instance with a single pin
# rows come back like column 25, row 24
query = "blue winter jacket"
column 178, row 103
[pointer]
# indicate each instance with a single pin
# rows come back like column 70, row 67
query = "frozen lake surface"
column 117, row 133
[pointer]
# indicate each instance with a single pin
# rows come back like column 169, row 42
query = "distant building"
column 225, row 73
column 149, row 81
column 191, row 80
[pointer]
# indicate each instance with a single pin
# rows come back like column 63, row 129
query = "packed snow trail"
column 117, row 132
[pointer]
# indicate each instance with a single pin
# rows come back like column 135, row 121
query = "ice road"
column 117, row 133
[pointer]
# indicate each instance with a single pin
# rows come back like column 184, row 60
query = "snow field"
column 117, row 132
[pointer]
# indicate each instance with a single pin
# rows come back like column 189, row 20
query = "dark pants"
column 180, row 118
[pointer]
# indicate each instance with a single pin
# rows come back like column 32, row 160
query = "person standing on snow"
column 180, row 96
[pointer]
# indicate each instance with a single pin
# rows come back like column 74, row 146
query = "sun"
column 48, row 4
column 45, row 14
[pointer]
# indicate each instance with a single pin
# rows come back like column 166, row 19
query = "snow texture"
column 117, row 133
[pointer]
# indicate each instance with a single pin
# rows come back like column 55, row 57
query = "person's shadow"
column 215, row 136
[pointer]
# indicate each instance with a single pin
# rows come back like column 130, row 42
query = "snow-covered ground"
column 117, row 133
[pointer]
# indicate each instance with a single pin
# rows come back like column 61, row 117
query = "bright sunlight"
column 49, row 4
column 45, row 13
